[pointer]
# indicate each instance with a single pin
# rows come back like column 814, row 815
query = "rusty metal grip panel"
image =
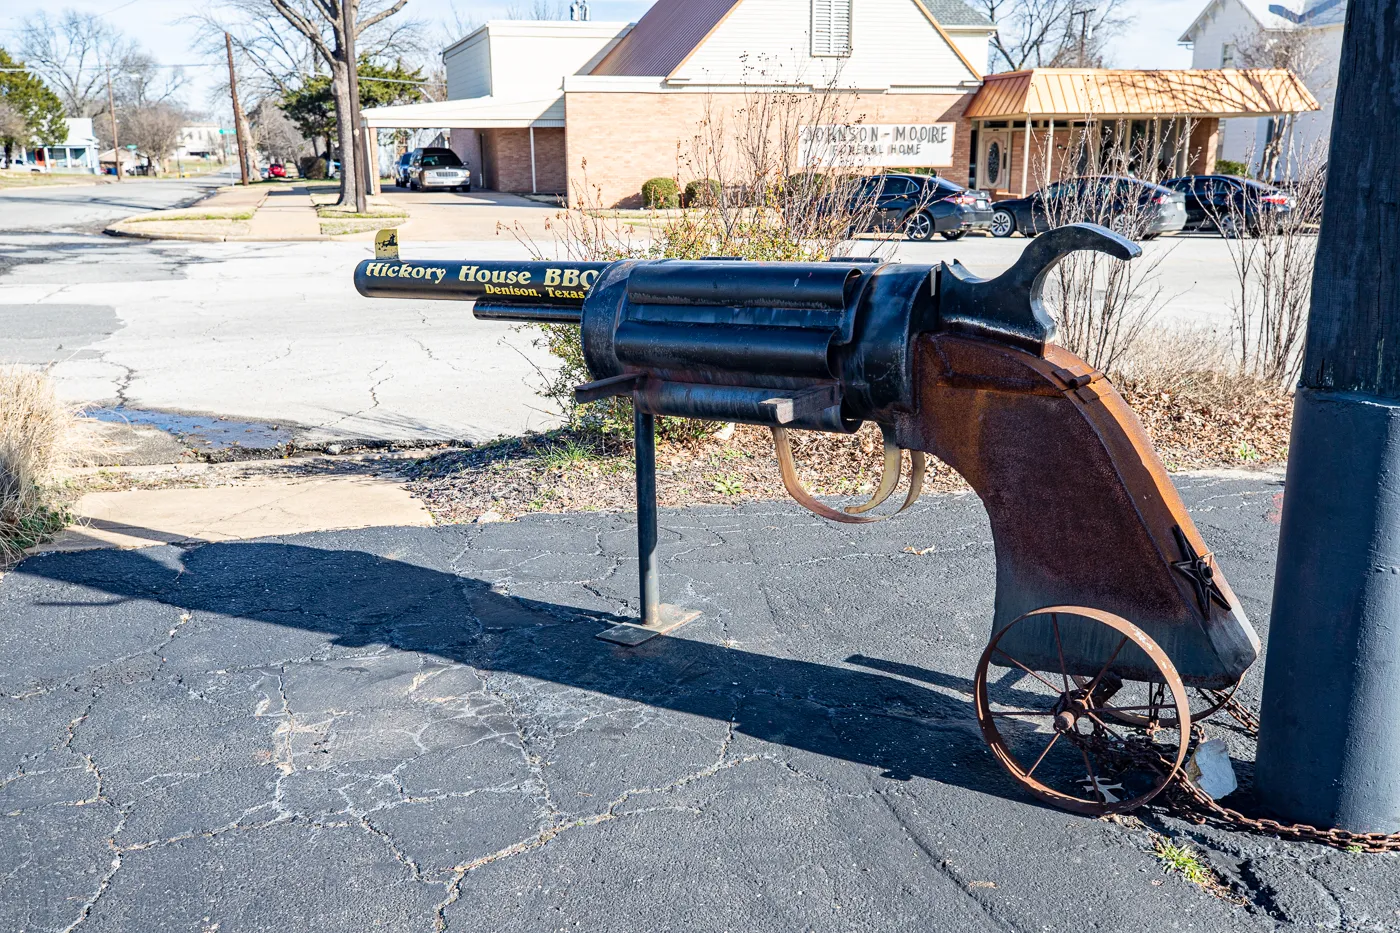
column 1081, row 509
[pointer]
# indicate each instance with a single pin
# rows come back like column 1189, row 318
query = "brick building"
column 592, row 110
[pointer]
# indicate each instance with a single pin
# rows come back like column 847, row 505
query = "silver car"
column 438, row 168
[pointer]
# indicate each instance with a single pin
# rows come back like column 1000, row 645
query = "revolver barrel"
column 536, row 292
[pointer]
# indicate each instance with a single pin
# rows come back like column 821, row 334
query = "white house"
column 200, row 141
column 1216, row 36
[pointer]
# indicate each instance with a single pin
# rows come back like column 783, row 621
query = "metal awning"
column 469, row 113
column 1122, row 93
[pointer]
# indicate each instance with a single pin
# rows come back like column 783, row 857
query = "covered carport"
column 509, row 145
column 1031, row 127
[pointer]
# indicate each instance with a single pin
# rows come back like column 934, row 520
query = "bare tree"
column 275, row 134
column 1052, row 33
column 1299, row 52
column 73, row 53
column 317, row 42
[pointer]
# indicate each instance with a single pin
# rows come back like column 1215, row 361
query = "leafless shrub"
column 779, row 197
column 1104, row 305
column 36, row 445
column 1272, row 253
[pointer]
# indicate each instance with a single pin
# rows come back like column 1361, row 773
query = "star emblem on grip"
column 1197, row 570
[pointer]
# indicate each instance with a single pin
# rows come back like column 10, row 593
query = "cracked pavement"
column 414, row 729
column 265, row 332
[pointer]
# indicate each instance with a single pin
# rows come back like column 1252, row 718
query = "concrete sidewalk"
column 268, row 506
column 415, row 729
column 286, row 214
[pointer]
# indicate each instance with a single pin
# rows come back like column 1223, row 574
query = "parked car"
column 276, row 170
column 401, row 167
column 922, row 205
column 1132, row 207
column 1230, row 205
column 437, row 168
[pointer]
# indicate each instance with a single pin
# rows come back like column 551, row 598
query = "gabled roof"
column 1081, row 92
column 955, row 13
column 1278, row 14
column 664, row 36
column 672, row 29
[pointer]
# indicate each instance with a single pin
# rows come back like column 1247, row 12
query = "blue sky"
column 1149, row 43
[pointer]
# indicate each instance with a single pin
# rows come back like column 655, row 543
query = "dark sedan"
column 1231, row 205
column 1132, row 207
column 401, row 168
column 922, row 205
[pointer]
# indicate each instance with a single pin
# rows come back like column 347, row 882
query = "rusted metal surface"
column 1082, row 762
column 1081, row 509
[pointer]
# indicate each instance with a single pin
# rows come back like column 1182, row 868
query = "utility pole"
column 1084, row 15
column 349, row 148
column 112, row 112
column 1329, row 740
column 237, row 113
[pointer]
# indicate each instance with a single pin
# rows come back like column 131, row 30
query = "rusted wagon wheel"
column 1065, row 742
column 1205, row 703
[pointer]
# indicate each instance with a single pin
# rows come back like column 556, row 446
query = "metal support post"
column 1329, row 738
column 645, row 444
column 657, row 617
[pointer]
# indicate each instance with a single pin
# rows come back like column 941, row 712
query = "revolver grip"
column 1081, row 509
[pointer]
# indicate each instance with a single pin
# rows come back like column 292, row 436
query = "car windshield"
column 440, row 158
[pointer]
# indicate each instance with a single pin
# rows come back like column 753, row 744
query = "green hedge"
column 661, row 192
column 312, row 167
column 701, row 193
column 1231, row 167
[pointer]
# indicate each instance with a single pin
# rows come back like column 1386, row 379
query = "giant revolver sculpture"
column 1089, row 531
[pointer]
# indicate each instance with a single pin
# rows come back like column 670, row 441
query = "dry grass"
column 37, row 445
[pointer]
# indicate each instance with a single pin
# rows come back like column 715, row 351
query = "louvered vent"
column 831, row 27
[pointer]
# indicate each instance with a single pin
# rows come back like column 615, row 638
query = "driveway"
column 408, row 729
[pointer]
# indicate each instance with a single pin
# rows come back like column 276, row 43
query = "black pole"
column 644, row 428
column 1329, row 744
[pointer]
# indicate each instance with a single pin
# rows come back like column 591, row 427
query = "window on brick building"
column 831, row 27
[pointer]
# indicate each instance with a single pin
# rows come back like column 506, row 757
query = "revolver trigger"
column 918, row 466
column 889, row 478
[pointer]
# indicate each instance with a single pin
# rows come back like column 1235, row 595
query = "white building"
column 200, row 141
column 1224, row 26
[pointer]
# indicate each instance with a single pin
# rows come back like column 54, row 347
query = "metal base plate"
column 630, row 634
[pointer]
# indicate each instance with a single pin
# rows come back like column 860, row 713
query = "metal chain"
column 1198, row 807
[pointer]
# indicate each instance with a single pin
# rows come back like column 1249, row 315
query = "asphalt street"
column 269, row 332
column 89, row 208
column 414, row 729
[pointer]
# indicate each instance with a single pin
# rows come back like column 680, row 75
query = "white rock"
column 489, row 516
column 1210, row 769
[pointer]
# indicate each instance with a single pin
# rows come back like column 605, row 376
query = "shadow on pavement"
column 358, row 599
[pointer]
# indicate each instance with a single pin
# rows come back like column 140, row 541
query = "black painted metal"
column 563, row 284
column 1007, row 308
column 644, row 427
column 1329, row 734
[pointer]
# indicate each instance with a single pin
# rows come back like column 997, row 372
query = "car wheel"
column 919, row 226
column 953, row 234
column 1003, row 224
column 1122, row 225
column 1229, row 227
